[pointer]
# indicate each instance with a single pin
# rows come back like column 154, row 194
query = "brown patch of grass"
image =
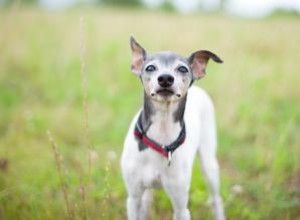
column 3, row 165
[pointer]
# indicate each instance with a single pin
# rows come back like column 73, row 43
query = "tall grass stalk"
column 60, row 169
column 84, row 87
column 106, row 187
column 83, row 202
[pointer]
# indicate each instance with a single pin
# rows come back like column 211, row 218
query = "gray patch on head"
column 167, row 58
column 179, row 113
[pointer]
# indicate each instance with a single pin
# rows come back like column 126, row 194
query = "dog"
column 176, row 123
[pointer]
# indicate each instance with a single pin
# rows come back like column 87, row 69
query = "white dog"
column 176, row 123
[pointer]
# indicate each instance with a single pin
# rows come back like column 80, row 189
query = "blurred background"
column 65, row 69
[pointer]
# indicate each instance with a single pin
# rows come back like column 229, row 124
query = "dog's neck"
column 163, row 121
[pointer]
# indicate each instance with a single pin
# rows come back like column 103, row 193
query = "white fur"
column 143, row 170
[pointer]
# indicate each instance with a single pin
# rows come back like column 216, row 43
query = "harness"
column 165, row 150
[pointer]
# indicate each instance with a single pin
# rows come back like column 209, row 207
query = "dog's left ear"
column 198, row 61
column 138, row 56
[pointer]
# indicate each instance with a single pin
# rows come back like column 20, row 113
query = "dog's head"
column 166, row 76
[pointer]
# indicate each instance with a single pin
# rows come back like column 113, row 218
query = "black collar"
column 162, row 149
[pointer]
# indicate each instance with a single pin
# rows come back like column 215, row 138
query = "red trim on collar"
column 150, row 144
column 163, row 150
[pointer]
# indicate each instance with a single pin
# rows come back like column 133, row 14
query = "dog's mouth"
column 165, row 92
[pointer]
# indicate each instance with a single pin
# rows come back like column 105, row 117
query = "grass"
column 256, row 93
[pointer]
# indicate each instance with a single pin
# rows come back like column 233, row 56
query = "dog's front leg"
column 178, row 193
column 146, row 202
column 134, row 199
column 133, row 205
column 134, row 190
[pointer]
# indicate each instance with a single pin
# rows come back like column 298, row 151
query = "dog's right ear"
column 138, row 56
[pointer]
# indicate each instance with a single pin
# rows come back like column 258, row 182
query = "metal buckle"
column 169, row 158
column 169, row 155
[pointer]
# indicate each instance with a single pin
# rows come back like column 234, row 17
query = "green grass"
column 256, row 93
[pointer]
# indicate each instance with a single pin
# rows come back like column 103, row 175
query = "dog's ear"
column 198, row 61
column 138, row 56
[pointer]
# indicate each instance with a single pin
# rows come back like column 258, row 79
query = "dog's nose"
column 165, row 80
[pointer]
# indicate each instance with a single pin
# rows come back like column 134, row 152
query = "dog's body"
column 163, row 118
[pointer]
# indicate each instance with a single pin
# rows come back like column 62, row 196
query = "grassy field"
column 256, row 93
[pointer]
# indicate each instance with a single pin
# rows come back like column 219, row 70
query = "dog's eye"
column 150, row 68
column 183, row 69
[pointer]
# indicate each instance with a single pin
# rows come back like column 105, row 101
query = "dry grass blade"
column 84, row 87
column 104, row 204
column 59, row 167
column 83, row 202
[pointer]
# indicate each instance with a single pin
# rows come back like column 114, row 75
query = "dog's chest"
column 163, row 129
